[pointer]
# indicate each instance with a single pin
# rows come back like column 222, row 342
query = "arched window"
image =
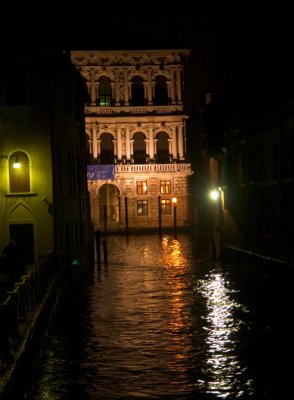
column 161, row 95
column 162, row 148
column 105, row 91
column 137, row 91
column 139, row 147
column 19, row 172
column 106, row 149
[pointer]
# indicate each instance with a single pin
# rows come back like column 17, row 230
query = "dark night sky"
column 90, row 24
column 208, row 28
column 110, row 25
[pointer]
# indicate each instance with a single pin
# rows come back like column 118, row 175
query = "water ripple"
column 160, row 321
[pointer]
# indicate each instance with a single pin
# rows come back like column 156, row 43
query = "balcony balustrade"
column 90, row 110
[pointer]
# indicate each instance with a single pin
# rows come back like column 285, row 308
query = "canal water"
column 163, row 321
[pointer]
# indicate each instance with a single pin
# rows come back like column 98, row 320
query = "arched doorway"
column 109, row 206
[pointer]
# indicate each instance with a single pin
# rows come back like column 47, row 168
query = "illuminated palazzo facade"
column 136, row 127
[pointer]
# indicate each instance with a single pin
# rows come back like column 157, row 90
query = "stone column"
column 179, row 85
column 98, row 146
column 174, row 143
column 92, row 87
column 146, row 141
column 170, row 143
column 118, row 142
column 116, row 88
column 132, row 147
column 128, row 148
column 172, row 87
column 112, row 92
column 115, row 148
column 181, row 142
column 153, row 90
column 126, row 87
column 90, row 141
column 151, row 144
column 94, row 142
column 145, row 90
column 155, row 148
column 149, row 87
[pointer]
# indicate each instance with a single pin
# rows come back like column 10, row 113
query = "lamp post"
column 105, row 235
column 174, row 201
column 126, row 217
column 159, row 215
column 215, row 223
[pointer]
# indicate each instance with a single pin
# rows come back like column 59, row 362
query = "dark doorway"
column 23, row 235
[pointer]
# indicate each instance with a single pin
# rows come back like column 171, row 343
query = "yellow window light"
column 16, row 163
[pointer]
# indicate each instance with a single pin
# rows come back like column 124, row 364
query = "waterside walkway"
column 267, row 256
column 24, row 315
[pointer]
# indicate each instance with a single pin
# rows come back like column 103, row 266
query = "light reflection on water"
column 222, row 368
column 146, row 345
column 160, row 321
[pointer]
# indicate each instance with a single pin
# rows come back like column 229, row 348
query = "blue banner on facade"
column 100, row 172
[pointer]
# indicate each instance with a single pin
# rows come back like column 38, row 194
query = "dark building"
column 44, row 202
column 247, row 130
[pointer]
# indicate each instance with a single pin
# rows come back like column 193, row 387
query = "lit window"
column 19, row 174
column 166, row 207
column 142, row 207
column 104, row 92
column 165, row 187
column 141, row 187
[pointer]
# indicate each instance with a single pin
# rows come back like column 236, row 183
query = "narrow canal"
column 162, row 321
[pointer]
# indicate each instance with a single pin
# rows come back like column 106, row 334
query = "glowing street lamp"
column 174, row 201
column 214, row 194
column 216, row 232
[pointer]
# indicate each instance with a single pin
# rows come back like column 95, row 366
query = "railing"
column 27, row 294
column 120, row 168
column 134, row 110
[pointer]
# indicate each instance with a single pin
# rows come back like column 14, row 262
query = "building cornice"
column 129, row 57
column 134, row 120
